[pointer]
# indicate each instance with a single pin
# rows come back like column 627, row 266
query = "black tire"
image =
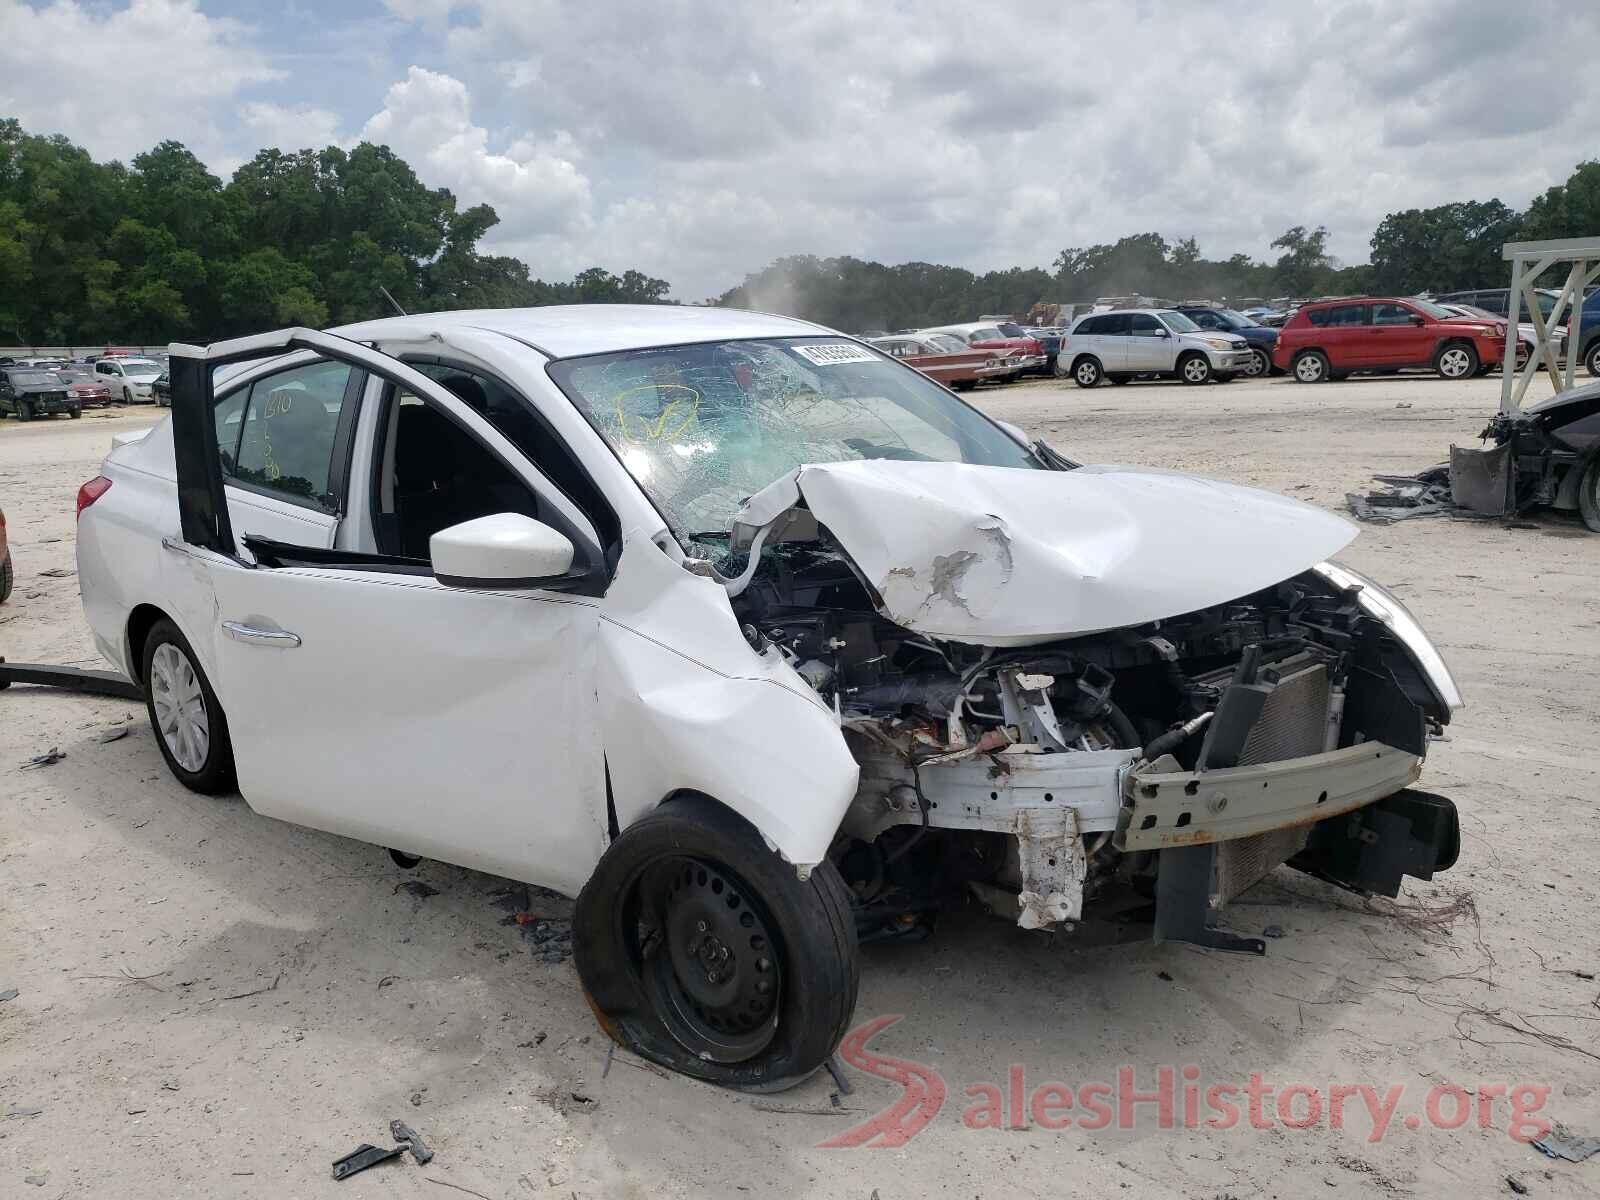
column 403, row 860
column 1310, row 366
column 1456, row 360
column 1589, row 494
column 1591, row 358
column 1118, row 380
column 75, row 412
column 7, row 577
column 127, row 396
column 1194, row 369
column 645, row 955
column 213, row 775
column 24, row 411
column 1087, row 371
column 1224, row 377
column 1261, row 364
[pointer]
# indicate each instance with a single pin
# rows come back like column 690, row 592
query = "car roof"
column 571, row 330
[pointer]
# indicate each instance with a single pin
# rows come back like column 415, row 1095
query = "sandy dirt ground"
column 211, row 1003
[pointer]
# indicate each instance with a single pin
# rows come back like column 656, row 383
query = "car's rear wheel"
column 1310, row 366
column 1589, row 494
column 701, row 949
column 7, row 577
column 1456, row 360
column 190, row 726
column 1591, row 358
column 1087, row 372
column 1260, row 364
column 1194, row 368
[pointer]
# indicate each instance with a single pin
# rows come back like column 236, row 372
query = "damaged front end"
column 1020, row 745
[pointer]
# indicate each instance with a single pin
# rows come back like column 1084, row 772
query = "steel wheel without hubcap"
column 709, row 960
column 1456, row 362
column 180, row 707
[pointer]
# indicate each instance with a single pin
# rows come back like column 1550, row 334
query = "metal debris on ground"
column 1425, row 494
column 8, row 994
column 412, row 1140
column 54, row 756
column 1561, row 1142
column 362, row 1157
column 115, row 734
column 22, row 1110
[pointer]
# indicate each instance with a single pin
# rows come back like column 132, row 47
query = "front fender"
column 672, row 725
column 687, row 705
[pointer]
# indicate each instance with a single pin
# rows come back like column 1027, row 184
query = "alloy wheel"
column 1455, row 363
column 1308, row 369
column 180, row 707
column 1196, row 370
column 1259, row 366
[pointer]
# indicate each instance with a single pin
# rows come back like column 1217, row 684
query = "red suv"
column 1330, row 339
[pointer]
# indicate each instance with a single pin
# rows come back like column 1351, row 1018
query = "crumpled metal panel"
column 999, row 556
column 1480, row 480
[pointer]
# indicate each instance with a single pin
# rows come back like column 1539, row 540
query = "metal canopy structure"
column 1528, row 261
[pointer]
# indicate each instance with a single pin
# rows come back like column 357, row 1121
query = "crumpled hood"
column 1001, row 556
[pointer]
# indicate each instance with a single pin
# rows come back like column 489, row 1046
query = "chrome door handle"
column 249, row 634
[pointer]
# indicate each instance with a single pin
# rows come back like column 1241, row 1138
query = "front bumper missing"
column 1164, row 806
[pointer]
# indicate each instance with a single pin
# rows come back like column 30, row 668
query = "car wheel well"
column 1086, row 356
column 140, row 622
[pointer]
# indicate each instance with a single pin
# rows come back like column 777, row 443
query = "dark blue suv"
column 1262, row 338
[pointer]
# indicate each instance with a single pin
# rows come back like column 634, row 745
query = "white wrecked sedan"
column 753, row 639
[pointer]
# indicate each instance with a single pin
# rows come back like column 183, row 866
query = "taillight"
column 92, row 491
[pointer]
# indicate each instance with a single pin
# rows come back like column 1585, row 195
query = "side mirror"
column 506, row 550
column 1162, row 333
column 1415, row 319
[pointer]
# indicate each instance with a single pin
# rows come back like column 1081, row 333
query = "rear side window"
column 1116, row 323
column 1339, row 316
column 284, row 427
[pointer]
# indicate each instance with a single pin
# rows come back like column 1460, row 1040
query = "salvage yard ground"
column 212, row 1003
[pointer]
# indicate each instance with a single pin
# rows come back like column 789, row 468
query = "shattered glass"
column 701, row 428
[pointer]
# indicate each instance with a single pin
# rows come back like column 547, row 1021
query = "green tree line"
column 1444, row 248
column 161, row 249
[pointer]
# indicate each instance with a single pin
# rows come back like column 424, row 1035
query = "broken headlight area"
column 1149, row 773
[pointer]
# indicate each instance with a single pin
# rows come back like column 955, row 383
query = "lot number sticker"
column 830, row 354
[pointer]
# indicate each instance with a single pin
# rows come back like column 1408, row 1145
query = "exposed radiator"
column 1293, row 723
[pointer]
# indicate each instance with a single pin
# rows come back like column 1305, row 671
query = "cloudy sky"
column 697, row 139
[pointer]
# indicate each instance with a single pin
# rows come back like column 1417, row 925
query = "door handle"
column 250, row 635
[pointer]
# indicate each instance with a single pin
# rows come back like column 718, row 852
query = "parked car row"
column 963, row 356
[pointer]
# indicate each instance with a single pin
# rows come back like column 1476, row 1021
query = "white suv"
column 1125, row 343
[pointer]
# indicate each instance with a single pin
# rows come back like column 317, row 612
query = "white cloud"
column 535, row 186
column 698, row 141
column 119, row 82
column 289, row 128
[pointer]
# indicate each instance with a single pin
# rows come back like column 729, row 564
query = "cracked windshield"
column 702, row 428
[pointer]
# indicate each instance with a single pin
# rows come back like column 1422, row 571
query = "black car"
column 1545, row 454
column 30, row 393
column 1048, row 338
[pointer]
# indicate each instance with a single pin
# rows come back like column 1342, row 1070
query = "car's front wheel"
column 1310, row 366
column 1260, row 364
column 191, row 729
column 1456, row 360
column 24, row 411
column 1194, row 368
column 1087, row 372
column 702, row 950
column 1591, row 359
column 1589, row 494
